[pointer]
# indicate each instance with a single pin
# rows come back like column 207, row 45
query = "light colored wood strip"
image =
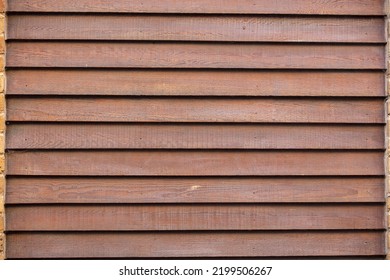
column 2, row 246
column 2, row 5
column 2, row 82
column 2, row 62
column 2, row 43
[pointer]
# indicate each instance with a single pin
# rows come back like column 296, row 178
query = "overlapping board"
column 195, row 129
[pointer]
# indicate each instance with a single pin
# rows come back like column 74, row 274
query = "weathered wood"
column 2, row 43
column 2, row 102
column 322, row 7
column 265, row 110
column 193, row 136
column 190, row 55
column 2, row 246
column 2, row 211
column 194, row 163
column 163, row 245
column 189, row 217
column 194, row 129
column 197, row 28
column 2, row 62
column 2, row 163
column 2, row 82
column 192, row 190
column 2, row 25
column 2, row 129
column 194, row 83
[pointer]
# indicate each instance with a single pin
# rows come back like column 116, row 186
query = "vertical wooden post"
column 2, row 127
column 387, row 154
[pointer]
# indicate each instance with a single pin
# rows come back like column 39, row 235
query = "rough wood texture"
column 387, row 134
column 2, row 129
column 2, row 246
column 189, row 217
column 2, row 211
column 196, row 28
column 195, row 128
column 190, row 55
column 2, row 82
column 265, row 110
column 193, row 136
column 164, row 245
column 194, row 163
column 192, row 190
column 315, row 7
column 2, row 62
column 194, row 83
column 2, row 43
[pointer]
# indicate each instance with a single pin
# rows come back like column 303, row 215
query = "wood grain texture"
column 194, row 83
column 330, row 7
column 193, row 136
column 2, row 62
column 55, row 190
column 266, row 110
column 194, row 163
column 164, row 245
column 2, row 25
column 169, row 129
column 189, row 217
column 190, row 55
column 2, row 126
column 2, row 40
column 196, row 28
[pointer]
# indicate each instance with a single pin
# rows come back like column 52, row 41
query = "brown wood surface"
column 266, row 110
column 344, row 7
column 194, row 128
column 193, row 136
column 189, row 217
column 191, row 55
column 193, row 190
column 194, row 83
column 194, row 163
column 196, row 28
column 187, row 244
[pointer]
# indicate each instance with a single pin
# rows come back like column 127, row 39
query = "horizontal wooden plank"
column 266, row 110
column 189, row 217
column 196, row 28
column 194, row 163
column 193, row 136
column 192, row 55
column 31, row 190
column 345, row 7
column 164, row 245
column 194, row 83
